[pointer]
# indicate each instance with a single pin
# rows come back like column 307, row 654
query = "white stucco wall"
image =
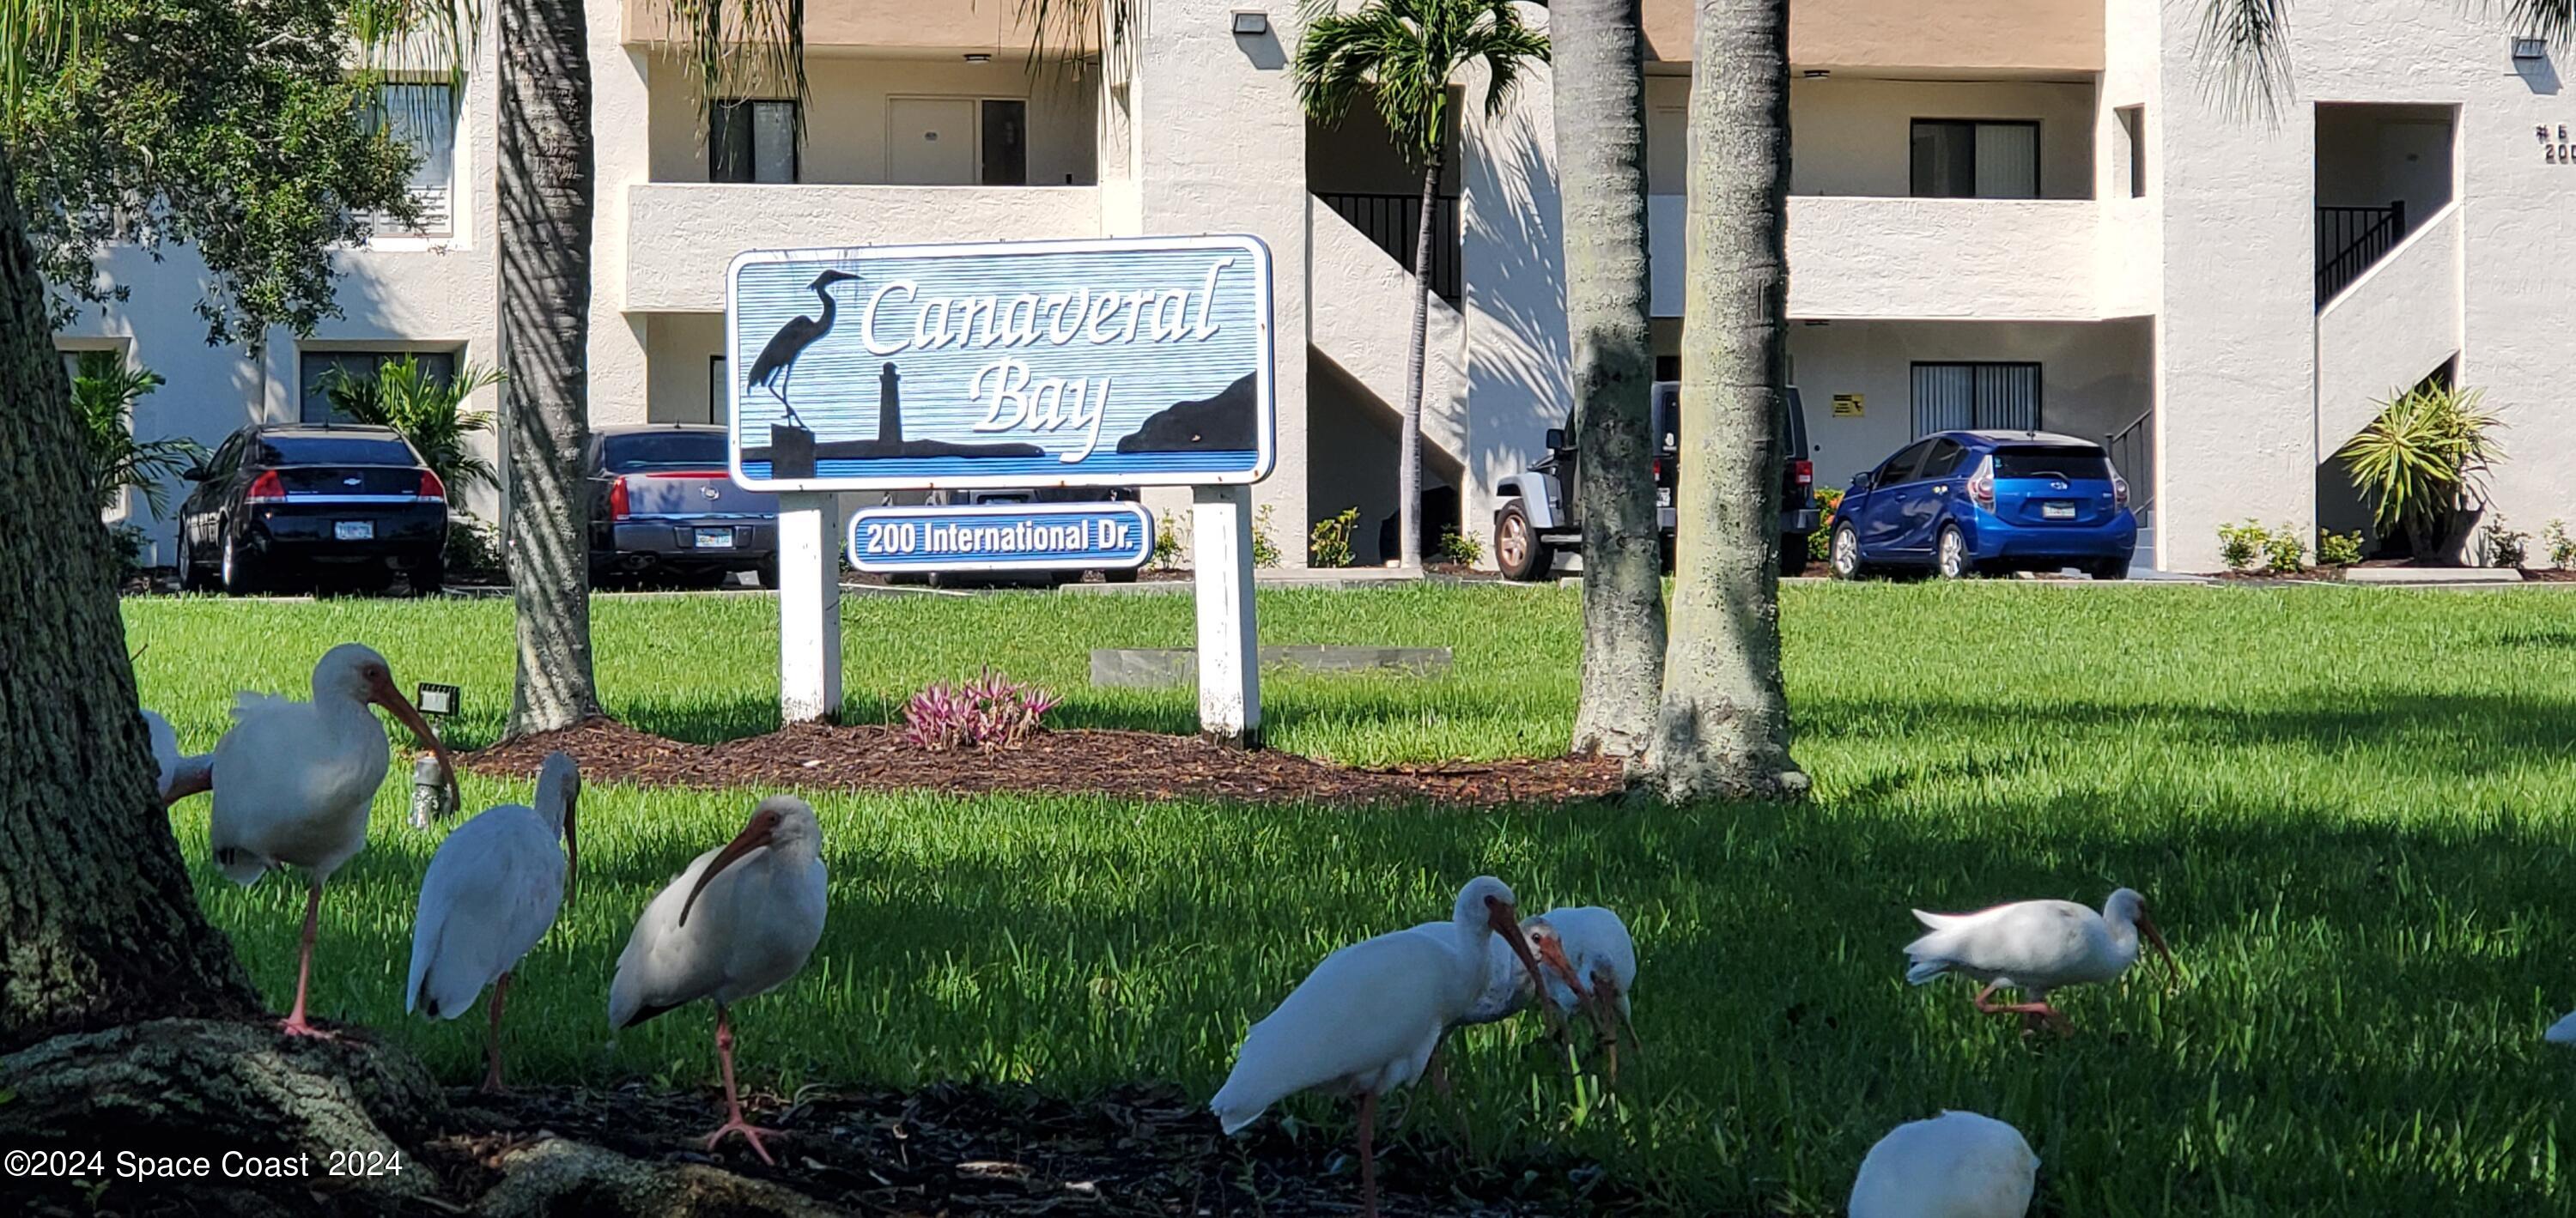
column 1853, row 135
column 2389, row 330
column 1998, row 259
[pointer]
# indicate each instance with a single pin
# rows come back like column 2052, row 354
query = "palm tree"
column 1723, row 728
column 104, row 391
column 1600, row 158
column 428, row 410
column 1404, row 55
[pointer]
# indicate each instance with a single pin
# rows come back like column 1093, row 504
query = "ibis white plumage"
column 2562, row 1032
column 1588, row 962
column 739, row 920
column 181, row 774
column 1955, row 1165
column 1366, row 1020
column 292, row 781
column 491, row 893
column 2035, row 947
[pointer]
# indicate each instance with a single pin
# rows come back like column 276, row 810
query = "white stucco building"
column 2003, row 212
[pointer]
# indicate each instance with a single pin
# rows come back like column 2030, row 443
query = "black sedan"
column 291, row 503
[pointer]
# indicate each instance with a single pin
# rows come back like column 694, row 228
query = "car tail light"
column 617, row 498
column 2119, row 489
column 266, row 488
column 1658, row 468
column 1803, row 473
column 431, row 487
column 1981, row 484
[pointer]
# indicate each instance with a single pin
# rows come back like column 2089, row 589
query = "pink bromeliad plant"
column 991, row 711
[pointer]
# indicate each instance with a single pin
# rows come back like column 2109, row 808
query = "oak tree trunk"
column 1724, row 725
column 1408, row 461
column 545, row 191
column 1600, row 144
column 98, row 921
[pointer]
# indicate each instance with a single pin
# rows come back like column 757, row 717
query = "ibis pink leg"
column 1605, row 1016
column 2029, row 1011
column 733, row 1099
column 1368, row 1156
column 492, row 1039
column 295, row 1024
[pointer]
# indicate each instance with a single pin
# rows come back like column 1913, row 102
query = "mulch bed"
column 957, row 1150
column 1135, row 765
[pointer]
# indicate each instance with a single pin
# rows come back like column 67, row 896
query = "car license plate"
column 715, row 539
column 2057, row 511
column 353, row 530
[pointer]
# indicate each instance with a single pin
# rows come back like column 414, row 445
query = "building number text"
column 2555, row 147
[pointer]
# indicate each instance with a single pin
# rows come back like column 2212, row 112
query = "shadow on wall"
column 1518, row 357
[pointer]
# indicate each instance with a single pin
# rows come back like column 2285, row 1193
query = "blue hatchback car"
column 1962, row 502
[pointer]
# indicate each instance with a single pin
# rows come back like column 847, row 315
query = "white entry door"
column 930, row 141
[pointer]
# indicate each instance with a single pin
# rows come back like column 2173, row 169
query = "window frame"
column 453, row 355
column 750, row 107
column 437, row 220
column 2038, row 170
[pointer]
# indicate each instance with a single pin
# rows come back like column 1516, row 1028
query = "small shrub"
column 1820, row 544
column 1459, row 548
column 2338, row 549
column 127, row 542
column 2423, row 462
column 1265, row 552
column 1167, row 542
column 2284, row 551
column 2562, row 548
column 1329, row 544
column 473, row 547
column 991, row 711
column 2240, row 544
column 2501, row 545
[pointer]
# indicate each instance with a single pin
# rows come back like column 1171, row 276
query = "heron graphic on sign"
column 777, row 361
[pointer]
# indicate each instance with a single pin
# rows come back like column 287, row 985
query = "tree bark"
column 1408, row 461
column 1723, row 729
column 1600, row 147
column 545, row 189
column 98, row 921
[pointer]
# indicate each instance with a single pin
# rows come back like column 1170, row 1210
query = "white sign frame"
column 1265, row 382
column 1144, row 521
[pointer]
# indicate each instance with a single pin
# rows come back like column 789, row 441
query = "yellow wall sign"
column 1848, row 406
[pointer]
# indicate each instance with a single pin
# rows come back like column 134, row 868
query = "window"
column 1943, row 460
column 2133, row 141
column 1971, row 159
column 1975, row 397
column 751, row 141
column 719, row 390
column 638, row 452
column 423, row 115
column 1004, row 149
column 2073, row 464
column 317, row 367
column 1900, row 468
column 361, row 449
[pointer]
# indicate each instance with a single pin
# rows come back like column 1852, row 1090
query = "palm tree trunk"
column 545, row 189
column 99, row 924
column 1408, row 468
column 1724, row 725
column 1600, row 147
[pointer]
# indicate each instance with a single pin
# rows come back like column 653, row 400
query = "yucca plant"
column 104, row 391
column 2424, row 461
column 429, row 411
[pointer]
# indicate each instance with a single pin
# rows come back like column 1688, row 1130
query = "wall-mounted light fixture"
column 1250, row 23
column 2528, row 50
column 978, row 57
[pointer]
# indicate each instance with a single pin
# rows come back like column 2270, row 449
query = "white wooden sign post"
column 1124, row 362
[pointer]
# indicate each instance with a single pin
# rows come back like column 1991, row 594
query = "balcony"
column 680, row 236
column 1958, row 35
column 981, row 26
column 1893, row 259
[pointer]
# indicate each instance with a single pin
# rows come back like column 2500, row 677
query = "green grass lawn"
column 2350, row 810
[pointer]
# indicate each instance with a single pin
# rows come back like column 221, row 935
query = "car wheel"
column 1517, row 548
column 2109, row 568
column 1952, row 559
column 190, row 580
column 239, row 575
column 769, row 575
column 1844, row 555
column 430, row 577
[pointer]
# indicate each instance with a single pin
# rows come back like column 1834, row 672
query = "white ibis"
column 492, row 891
column 1589, row 963
column 740, row 920
column 1955, row 1165
column 182, row 775
column 2035, row 947
column 292, row 781
column 1366, row 1020
column 776, row 362
column 2562, row 1032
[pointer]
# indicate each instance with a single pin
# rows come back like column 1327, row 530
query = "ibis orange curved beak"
column 2154, row 936
column 753, row 836
column 1506, row 921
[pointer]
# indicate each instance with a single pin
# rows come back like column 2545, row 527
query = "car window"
column 1793, row 438
column 1900, row 468
column 2066, row 461
column 641, row 452
column 335, row 450
column 226, row 457
column 1943, row 460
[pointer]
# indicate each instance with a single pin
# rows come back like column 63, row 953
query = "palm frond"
column 2552, row 20
column 1060, row 32
column 37, row 39
column 427, row 410
column 2244, row 53
column 104, row 391
column 1403, row 55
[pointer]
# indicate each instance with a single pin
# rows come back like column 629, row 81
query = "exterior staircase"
column 2388, row 327
column 1361, row 309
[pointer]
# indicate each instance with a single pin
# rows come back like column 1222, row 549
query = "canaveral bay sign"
column 1122, row 361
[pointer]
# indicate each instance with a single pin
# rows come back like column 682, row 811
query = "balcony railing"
column 2133, row 456
column 1394, row 223
column 2351, row 239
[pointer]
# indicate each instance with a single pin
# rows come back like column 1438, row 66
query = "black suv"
column 287, row 503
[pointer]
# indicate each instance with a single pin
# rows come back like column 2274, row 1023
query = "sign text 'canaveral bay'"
column 1125, row 361
column 1002, row 537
